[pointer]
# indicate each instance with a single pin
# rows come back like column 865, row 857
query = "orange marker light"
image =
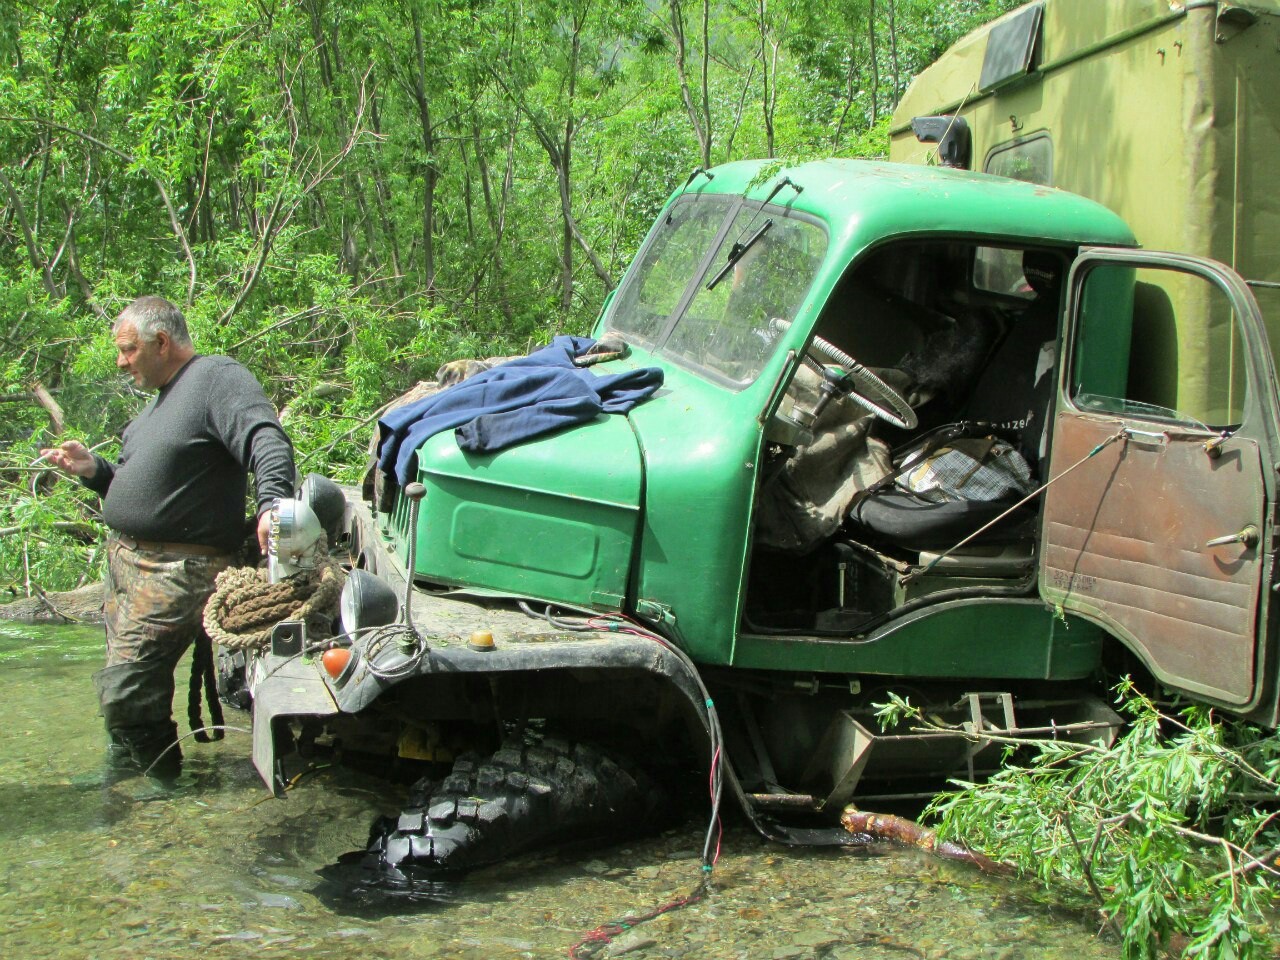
column 335, row 661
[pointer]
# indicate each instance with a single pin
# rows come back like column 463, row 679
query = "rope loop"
column 245, row 607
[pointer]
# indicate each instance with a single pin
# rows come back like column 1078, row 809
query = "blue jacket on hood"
column 510, row 403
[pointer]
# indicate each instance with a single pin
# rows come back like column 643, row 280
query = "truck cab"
column 1163, row 113
column 912, row 439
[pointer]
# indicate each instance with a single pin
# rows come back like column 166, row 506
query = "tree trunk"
column 766, row 92
column 875, row 67
column 699, row 115
column 430, row 173
column 894, row 64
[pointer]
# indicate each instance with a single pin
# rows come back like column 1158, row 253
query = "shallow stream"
column 213, row 869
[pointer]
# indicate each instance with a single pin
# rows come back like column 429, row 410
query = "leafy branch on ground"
column 1172, row 832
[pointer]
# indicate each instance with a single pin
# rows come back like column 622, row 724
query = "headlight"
column 327, row 500
column 366, row 602
column 293, row 541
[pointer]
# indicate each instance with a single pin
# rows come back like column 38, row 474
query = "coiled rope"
column 244, row 606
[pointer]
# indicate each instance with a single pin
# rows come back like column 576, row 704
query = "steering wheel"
column 861, row 385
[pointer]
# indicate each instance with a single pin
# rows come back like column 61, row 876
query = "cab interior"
column 967, row 335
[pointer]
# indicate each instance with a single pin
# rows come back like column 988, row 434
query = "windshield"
column 711, row 279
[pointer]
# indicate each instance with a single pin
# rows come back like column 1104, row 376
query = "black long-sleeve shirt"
column 183, row 470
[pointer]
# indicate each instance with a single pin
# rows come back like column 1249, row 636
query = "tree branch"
column 178, row 231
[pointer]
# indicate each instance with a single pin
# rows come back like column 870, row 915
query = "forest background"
column 343, row 194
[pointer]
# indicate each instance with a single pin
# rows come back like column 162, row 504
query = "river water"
column 211, row 869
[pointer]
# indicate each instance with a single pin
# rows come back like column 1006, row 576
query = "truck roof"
column 1071, row 29
column 864, row 202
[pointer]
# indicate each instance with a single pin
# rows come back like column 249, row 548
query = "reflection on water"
column 212, row 869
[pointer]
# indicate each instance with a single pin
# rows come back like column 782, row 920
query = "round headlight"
column 366, row 602
column 326, row 498
column 294, row 539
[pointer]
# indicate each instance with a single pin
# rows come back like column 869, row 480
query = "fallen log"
column 886, row 826
column 83, row 605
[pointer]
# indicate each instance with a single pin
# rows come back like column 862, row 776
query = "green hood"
column 552, row 519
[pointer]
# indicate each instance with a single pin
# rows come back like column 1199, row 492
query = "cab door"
column 1159, row 521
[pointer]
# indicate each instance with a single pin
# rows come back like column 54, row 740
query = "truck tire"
column 522, row 797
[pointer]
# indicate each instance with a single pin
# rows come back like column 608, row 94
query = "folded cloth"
column 510, row 403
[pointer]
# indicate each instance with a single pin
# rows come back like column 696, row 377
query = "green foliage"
column 895, row 711
column 49, row 528
column 344, row 194
column 1170, row 832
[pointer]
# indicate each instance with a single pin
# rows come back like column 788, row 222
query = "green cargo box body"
column 1165, row 112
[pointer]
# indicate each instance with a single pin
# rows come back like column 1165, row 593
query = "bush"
column 1172, row 831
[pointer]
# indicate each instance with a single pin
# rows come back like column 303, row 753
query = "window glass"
column 650, row 295
column 726, row 327
column 1160, row 344
column 705, row 295
column 1030, row 160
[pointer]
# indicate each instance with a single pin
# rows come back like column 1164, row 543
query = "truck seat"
column 1010, row 399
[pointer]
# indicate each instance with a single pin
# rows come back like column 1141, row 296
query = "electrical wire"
column 558, row 624
column 599, row 938
column 205, row 729
column 603, row 935
column 1121, row 434
column 412, row 652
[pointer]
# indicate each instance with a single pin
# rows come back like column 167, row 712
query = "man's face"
column 147, row 361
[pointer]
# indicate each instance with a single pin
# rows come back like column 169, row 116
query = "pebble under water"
column 215, row 869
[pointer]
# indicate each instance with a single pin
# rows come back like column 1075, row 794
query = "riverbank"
column 82, row 605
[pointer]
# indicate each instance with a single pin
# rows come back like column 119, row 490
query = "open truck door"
column 1161, row 523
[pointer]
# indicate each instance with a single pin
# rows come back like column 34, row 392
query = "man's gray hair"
column 149, row 315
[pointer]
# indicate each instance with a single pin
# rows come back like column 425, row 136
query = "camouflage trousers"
column 153, row 608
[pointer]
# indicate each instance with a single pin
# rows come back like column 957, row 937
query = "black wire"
column 714, row 732
column 204, row 679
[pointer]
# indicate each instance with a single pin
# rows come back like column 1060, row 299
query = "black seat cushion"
column 904, row 520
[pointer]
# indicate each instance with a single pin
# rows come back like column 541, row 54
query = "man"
column 175, row 503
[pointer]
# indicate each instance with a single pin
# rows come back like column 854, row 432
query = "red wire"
column 605, row 933
column 715, row 765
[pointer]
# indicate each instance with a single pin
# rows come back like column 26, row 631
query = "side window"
column 1031, row 160
column 1161, row 344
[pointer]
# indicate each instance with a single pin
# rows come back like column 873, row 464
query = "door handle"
column 1248, row 536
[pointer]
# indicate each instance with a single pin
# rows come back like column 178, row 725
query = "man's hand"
column 264, row 529
column 72, row 457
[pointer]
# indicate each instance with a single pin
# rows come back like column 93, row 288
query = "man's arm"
column 75, row 459
column 246, row 423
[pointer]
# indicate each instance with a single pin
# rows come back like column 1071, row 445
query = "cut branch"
column 57, row 419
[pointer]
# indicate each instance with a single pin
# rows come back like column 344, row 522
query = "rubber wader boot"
column 137, row 703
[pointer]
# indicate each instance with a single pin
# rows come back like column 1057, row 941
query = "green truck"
column 920, row 433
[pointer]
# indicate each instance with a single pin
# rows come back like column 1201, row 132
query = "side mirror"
column 951, row 134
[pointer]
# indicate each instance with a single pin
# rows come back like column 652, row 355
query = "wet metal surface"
column 214, row 870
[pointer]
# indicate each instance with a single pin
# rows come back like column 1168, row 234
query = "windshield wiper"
column 737, row 252
column 700, row 172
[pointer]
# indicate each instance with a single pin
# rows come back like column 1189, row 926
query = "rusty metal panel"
column 1124, row 541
